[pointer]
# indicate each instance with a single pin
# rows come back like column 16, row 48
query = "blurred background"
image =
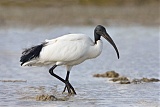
column 78, row 12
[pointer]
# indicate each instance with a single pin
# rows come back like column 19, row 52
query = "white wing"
column 66, row 48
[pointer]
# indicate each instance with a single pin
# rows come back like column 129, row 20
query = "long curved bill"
column 109, row 39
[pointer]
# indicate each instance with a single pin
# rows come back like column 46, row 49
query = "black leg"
column 68, row 85
column 58, row 77
column 67, row 79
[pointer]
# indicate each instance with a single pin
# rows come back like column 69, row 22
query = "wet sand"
column 43, row 93
column 124, row 80
column 13, row 80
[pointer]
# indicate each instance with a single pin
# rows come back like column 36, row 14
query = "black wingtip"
column 31, row 53
column 22, row 63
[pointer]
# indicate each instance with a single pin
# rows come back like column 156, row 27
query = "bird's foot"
column 64, row 89
column 70, row 88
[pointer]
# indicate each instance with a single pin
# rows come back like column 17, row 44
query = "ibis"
column 67, row 50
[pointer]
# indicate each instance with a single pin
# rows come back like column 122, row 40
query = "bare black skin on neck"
column 96, row 37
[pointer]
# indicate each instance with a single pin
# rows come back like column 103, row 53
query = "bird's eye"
column 100, row 31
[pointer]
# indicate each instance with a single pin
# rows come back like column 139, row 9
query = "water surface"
column 139, row 57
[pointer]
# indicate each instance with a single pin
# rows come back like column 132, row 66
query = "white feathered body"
column 69, row 50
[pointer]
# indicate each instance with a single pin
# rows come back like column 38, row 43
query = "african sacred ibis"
column 68, row 50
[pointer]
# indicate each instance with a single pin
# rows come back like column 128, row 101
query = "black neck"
column 96, row 37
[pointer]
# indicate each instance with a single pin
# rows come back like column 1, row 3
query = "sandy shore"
column 80, row 15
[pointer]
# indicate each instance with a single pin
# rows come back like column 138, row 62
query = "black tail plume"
column 31, row 53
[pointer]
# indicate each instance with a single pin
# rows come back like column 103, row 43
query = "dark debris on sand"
column 115, row 77
column 13, row 80
column 109, row 74
column 46, row 97
column 122, row 80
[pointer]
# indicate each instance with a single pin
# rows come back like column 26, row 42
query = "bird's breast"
column 95, row 50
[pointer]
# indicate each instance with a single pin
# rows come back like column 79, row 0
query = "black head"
column 101, row 31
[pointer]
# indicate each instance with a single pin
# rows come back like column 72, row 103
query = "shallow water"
column 139, row 57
